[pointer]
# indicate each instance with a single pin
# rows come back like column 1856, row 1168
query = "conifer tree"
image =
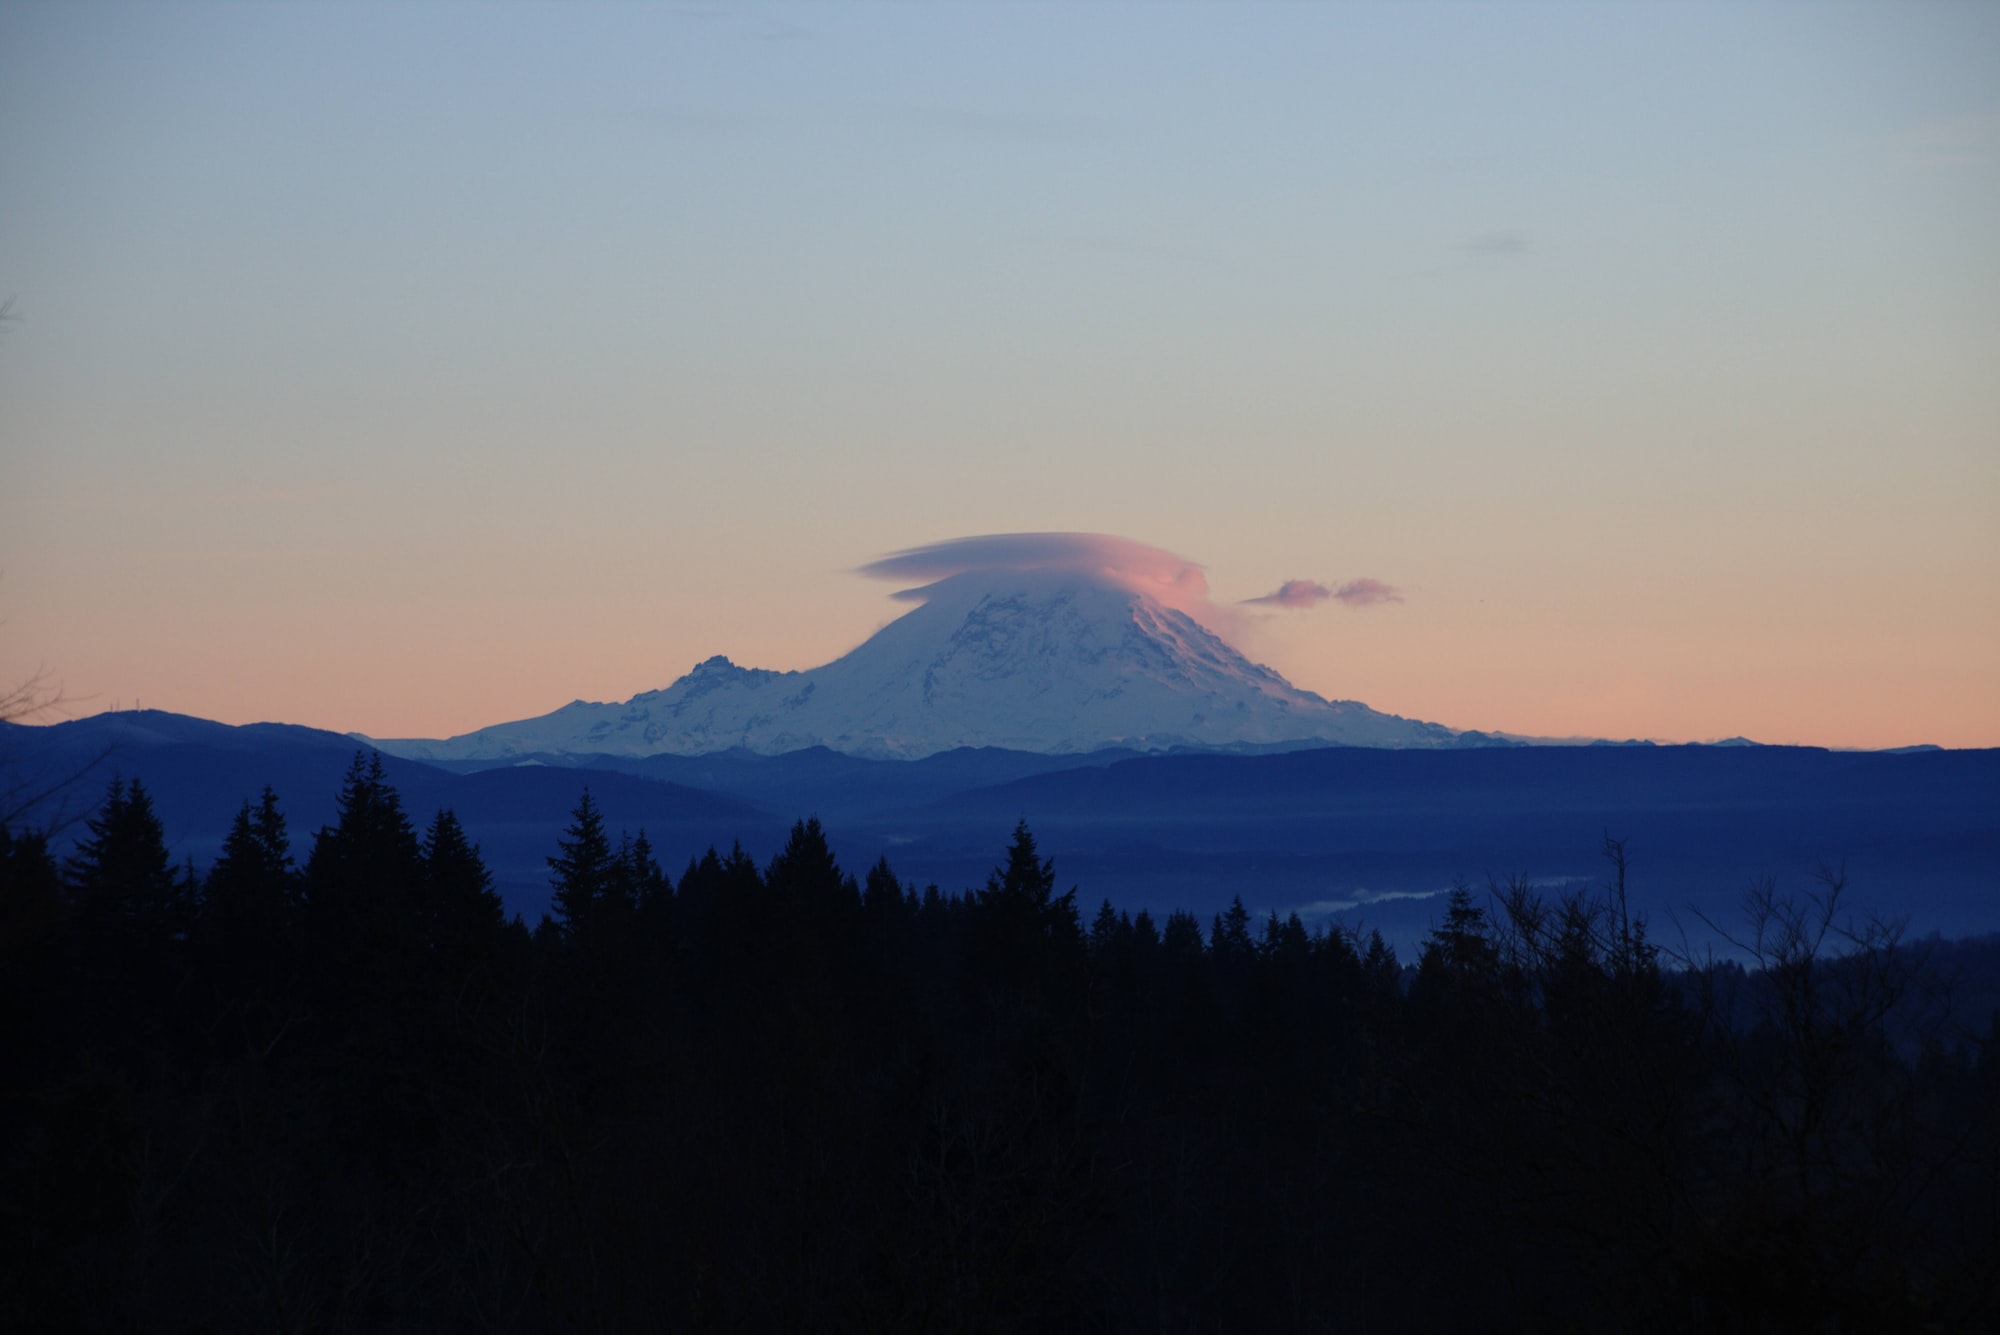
column 252, row 885
column 804, row 871
column 1022, row 893
column 1182, row 938
column 1379, row 964
column 247, row 908
column 1024, row 943
column 31, row 916
column 371, row 848
column 1229, row 935
column 1106, row 929
column 650, row 889
column 882, row 895
column 463, row 912
column 364, row 880
column 582, row 875
column 1460, row 946
column 121, row 874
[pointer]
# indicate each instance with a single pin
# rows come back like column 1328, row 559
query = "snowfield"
column 1054, row 662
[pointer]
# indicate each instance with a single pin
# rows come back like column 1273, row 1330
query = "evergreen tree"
column 129, row 927
column 30, row 887
column 1460, row 947
column 1379, row 965
column 1024, row 943
column 711, row 886
column 121, row 874
column 31, row 920
column 371, row 849
column 1229, row 935
column 650, row 889
column 364, row 881
column 1022, row 895
column 1107, row 929
column 584, row 874
column 242, row 932
column 1287, row 940
column 252, row 886
column 1182, row 938
column 804, row 873
column 882, row 895
column 464, row 914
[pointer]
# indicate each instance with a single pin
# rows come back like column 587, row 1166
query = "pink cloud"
column 1367, row 593
column 1170, row 578
column 1294, row 593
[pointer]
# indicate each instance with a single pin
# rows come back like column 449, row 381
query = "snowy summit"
column 1033, row 660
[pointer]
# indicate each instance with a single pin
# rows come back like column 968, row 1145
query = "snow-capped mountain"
column 1050, row 661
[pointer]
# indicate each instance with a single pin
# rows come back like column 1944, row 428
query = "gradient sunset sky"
column 410, row 368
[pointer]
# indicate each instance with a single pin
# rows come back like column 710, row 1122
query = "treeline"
column 347, row 1094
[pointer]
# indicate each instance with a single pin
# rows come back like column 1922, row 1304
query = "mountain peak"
column 1050, row 660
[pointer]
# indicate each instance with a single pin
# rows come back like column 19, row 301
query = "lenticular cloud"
column 1293, row 593
column 1170, row 578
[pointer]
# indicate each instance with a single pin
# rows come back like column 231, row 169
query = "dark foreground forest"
column 346, row 1095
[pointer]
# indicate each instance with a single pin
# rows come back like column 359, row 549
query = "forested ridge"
column 331, row 1088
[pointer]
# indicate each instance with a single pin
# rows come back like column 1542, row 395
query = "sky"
column 411, row 368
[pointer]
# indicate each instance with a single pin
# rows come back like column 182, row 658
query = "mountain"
column 1056, row 662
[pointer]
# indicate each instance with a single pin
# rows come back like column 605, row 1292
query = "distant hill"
column 201, row 772
column 1338, row 833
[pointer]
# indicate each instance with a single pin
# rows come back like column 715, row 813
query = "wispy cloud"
column 1500, row 245
column 1294, row 593
column 1298, row 593
column 1367, row 593
column 1483, row 252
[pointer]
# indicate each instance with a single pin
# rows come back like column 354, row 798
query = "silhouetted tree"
column 463, row 912
column 252, row 887
column 371, row 846
column 370, row 987
column 645, row 883
column 31, row 923
column 590, row 893
column 243, row 932
column 882, row 895
column 771, row 1098
column 120, row 873
column 803, row 874
column 1229, row 934
column 1024, row 943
